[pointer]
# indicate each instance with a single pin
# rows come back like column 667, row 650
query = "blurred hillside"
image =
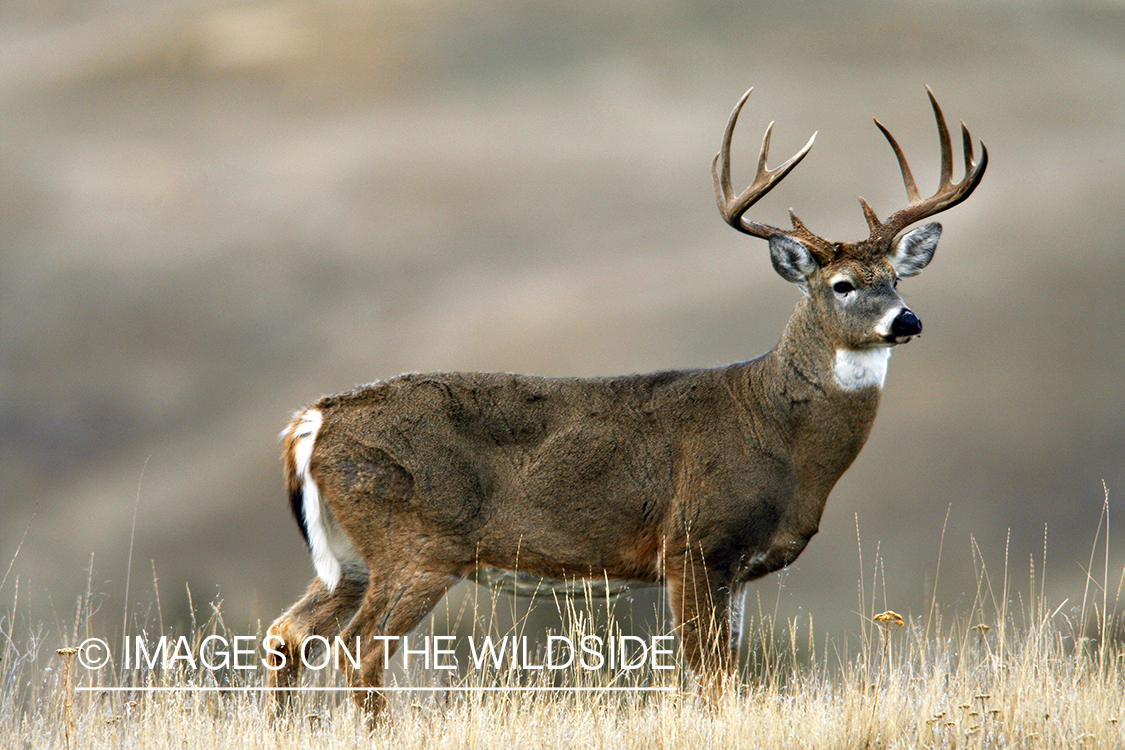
column 213, row 212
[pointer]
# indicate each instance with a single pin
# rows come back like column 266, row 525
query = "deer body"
column 698, row 479
column 567, row 477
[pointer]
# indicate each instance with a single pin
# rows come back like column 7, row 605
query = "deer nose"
column 906, row 323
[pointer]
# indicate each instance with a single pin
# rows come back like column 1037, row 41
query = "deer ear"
column 792, row 259
column 915, row 250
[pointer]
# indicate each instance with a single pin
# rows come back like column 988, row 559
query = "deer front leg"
column 701, row 606
column 319, row 612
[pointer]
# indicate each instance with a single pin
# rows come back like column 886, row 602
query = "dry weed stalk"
column 67, row 654
column 885, row 620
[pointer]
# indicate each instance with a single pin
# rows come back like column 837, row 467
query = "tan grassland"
column 1014, row 670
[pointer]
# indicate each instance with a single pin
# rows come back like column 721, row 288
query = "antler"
column 948, row 194
column 732, row 207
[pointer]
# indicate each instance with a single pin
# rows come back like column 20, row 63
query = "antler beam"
column 948, row 194
column 732, row 206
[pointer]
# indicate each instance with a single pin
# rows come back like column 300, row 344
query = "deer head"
column 852, row 284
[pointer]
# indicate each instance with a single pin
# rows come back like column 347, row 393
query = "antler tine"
column 721, row 172
column 907, row 176
column 967, row 141
column 948, row 193
column 765, row 151
column 731, row 206
column 946, row 144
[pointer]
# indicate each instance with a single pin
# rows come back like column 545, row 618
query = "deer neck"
column 822, row 398
column 806, row 414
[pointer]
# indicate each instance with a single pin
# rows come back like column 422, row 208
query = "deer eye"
column 843, row 287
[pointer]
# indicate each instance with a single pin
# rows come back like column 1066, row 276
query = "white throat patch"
column 861, row 368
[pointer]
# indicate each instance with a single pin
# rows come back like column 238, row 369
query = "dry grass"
column 1025, row 676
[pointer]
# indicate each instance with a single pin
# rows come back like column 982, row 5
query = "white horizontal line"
column 393, row 689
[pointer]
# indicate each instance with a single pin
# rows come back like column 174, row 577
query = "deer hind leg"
column 319, row 612
column 392, row 607
column 701, row 600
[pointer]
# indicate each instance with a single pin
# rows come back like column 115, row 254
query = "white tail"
column 328, row 543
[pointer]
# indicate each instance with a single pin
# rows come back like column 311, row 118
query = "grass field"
column 1013, row 671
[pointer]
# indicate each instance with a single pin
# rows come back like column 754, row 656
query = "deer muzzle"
column 905, row 325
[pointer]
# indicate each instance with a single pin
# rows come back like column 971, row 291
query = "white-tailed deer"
column 701, row 480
